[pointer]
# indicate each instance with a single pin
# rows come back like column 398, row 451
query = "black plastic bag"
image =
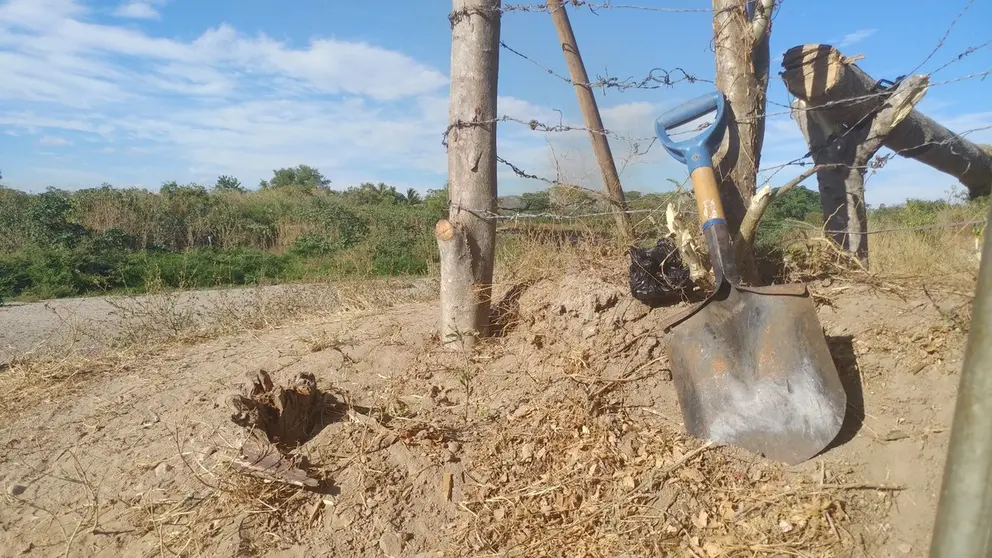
column 658, row 275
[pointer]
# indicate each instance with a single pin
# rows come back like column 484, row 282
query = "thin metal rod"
column 963, row 526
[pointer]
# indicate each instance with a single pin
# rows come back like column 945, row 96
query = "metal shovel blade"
column 754, row 370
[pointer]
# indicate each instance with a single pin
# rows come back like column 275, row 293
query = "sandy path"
column 91, row 322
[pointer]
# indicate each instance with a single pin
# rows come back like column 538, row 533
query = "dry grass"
column 151, row 324
column 945, row 253
column 559, row 482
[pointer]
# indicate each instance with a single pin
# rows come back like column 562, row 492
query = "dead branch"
column 760, row 202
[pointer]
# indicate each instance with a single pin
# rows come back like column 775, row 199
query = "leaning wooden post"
column 466, row 239
column 837, row 88
column 590, row 113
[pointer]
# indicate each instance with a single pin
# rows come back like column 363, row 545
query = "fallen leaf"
column 692, row 474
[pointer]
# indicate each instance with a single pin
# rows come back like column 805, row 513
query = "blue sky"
column 139, row 92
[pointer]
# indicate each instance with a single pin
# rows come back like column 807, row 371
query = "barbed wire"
column 664, row 79
column 967, row 52
column 593, row 6
column 494, row 216
column 943, row 39
column 658, row 78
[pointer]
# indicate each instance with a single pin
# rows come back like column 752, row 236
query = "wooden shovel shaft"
column 714, row 224
column 707, row 195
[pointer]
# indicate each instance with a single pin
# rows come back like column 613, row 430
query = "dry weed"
column 559, row 481
column 53, row 376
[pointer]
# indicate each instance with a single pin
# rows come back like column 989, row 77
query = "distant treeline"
column 294, row 226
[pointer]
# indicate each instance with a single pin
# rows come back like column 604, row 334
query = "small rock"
column 391, row 544
column 16, row 489
column 162, row 468
column 905, row 548
column 453, row 447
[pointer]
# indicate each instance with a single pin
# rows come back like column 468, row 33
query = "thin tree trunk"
column 742, row 62
column 590, row 113
column 847, row 152
column 475, row 31
column 833, row 85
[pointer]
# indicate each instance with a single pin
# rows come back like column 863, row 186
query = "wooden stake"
column 590, row 113
column 466, row 239
column 844, row 94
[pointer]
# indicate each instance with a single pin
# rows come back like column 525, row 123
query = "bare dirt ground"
column 561, row 437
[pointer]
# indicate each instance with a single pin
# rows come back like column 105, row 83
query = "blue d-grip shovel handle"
column 697, row 154
column 697, row 151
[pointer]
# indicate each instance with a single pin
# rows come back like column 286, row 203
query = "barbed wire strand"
column 602, row 214
column 593, row 6
column 652, row 81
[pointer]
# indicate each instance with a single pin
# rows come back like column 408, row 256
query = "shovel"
column 750, row 364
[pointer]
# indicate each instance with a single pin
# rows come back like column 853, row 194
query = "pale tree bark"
column 742, row 60
column 466, row 240
column 845, row 95
column 842, row 155
column 590, row 113
column 759, row 204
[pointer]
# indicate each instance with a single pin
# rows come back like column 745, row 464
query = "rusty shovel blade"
column 753, row 370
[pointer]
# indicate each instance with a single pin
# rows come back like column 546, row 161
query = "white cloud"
column 224, row 101
column 854, row 38
column 52, row 140
column 137, row 10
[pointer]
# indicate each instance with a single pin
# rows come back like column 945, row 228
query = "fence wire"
column 658, row 78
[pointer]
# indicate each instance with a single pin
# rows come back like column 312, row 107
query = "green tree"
column 413, row 197
column 303, row 178
column 367, row 193
column 48, row 219
column 228, row 183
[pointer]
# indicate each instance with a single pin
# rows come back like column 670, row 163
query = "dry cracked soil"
column 560, row 437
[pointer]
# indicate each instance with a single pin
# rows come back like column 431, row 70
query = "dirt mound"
column 561, row 437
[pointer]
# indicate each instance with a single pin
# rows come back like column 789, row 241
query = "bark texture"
column 842, row 155
column 475, row 32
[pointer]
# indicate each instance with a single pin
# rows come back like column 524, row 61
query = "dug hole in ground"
column 561, row 437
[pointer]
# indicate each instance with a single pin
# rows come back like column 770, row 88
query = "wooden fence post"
column 590, row 113
column 466, row 239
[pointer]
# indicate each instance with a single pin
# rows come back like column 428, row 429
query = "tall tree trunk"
column 742, row 75
column 466, row 239
column 742, row 60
